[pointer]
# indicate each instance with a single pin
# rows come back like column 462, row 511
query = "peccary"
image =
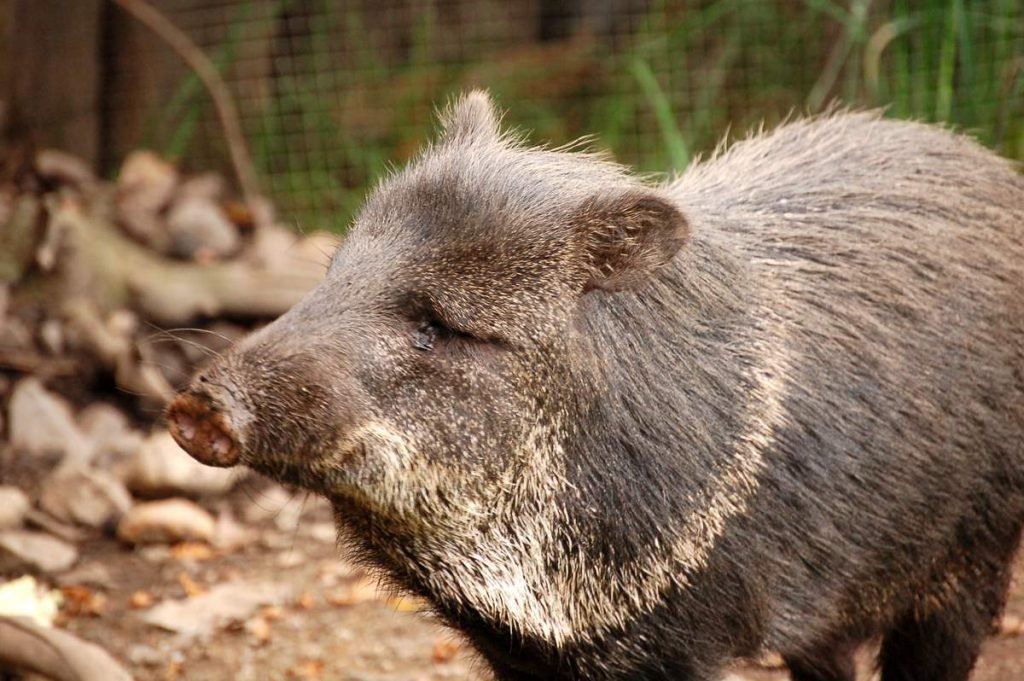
column 617, row 431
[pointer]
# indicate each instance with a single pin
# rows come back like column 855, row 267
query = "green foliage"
column 688, row 72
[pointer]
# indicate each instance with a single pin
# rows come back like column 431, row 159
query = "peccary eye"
column 426, row 335
column 432, row 334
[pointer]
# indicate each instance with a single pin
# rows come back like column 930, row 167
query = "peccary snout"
column 276, row 405
column 202, row 427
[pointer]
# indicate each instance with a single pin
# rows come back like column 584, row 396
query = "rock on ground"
column 22, row 550
column 198, row 227
column 84, row 496
column 41, row 423
column 110, row 436
column 13, row 507
column 144, row 188
column 162, row 468
column 167, row 521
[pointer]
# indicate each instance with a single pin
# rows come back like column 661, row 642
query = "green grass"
column 691, row 71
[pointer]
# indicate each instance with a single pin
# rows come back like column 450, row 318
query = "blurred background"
column 331, row 93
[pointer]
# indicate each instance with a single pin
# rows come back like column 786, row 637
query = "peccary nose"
column 203, row 432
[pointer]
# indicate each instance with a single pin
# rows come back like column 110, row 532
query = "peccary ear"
column 628, row 236
column 470, row 117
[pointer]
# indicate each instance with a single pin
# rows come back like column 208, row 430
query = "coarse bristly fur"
column 620, row 431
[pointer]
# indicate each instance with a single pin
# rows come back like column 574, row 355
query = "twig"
column 852, row 30
column 153, row 19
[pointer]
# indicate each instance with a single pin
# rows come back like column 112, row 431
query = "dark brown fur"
column 614, row 431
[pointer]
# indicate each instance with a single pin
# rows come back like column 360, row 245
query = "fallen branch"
column 100, row 263
column 55, row 654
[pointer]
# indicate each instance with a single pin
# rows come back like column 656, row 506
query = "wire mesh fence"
column 332, row 92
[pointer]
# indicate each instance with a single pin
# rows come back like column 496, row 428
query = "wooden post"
column 52, row 78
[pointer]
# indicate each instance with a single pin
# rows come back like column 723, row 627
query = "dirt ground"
column 332, row 625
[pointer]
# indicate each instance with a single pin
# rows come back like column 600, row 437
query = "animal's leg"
column 942, row 644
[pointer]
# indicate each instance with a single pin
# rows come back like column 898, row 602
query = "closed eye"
column 431, row 333
column 426, row 335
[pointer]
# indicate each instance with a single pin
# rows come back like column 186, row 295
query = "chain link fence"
column 332, row 93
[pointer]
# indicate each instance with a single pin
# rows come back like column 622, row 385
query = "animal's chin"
column 321, row 473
